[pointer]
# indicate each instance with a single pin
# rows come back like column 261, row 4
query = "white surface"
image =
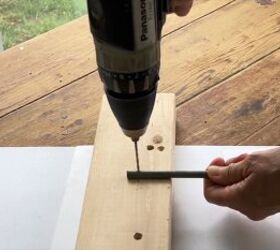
column 32, row 184
column 32, row 187
column 42, row 192
column 69, row 218
column 202, row 226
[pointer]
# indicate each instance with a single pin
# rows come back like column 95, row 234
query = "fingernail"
column 213, row 171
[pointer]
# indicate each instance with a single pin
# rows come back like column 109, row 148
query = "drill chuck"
column 133, row 112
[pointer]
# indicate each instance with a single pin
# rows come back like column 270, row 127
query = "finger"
column 219, row 195
column 229, row 196
column 233, row 173
column 236, row 159
column 181, row 7
column 222, row 162
column 218, row 162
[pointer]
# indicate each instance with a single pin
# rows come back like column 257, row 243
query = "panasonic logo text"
column 144, row 21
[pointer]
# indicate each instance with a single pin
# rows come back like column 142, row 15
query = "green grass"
column 21, row 20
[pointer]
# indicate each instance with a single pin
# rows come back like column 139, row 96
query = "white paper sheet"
column 35, row 185
column 32, row 184
column 68, row 222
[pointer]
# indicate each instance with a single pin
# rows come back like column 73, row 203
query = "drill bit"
column 137, row 156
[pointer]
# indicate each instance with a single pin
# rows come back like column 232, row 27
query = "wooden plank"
column 50, row 61
column 200, row 55
column 197, row 65
column 201, row 8
column 268, row 135
column 67, row 117
column 45, row 63
column 116, row 209
column 235, row 109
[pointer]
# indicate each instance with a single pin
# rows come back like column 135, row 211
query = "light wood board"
column 116, row 209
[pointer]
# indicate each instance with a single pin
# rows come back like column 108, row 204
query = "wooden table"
column 222, row 61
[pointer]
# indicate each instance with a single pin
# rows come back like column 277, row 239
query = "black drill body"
column 127, row 36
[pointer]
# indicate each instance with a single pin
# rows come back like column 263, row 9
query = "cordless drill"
column 127, row 36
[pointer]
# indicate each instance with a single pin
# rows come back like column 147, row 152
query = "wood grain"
column 55, row 59
column 268, row 135
column 195, row 59
column 48, row 62
column 238, row 107
column 200, row 9
column 67, row 117
column 116, row 209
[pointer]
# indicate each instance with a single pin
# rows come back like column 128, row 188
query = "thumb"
column 181, row 7
column 228, row 175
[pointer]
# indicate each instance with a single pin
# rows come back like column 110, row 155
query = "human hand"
column 181, row 7
column 249, row 183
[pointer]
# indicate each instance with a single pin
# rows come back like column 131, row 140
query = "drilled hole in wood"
column 161, row 148
column 157, row 139
column 137, row 236
column 150, row 147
